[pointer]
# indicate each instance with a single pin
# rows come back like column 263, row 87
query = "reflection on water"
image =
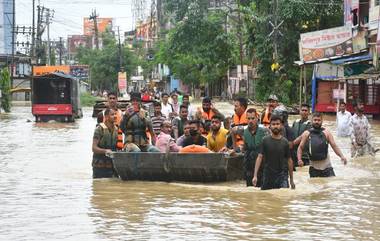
column 47, row 193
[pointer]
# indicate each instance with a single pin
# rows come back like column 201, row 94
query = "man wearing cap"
column 272, row 103
column 134, row 126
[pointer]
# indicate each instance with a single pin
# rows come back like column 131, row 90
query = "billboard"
column 326, row 43
column 122, row 82
column 42, row 70
column 76, row 41
column 103, row 24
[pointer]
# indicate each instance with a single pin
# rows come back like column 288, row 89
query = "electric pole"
column 60, row 50
column 13, row 40
column 33, row 52
column 94, row 18
column 120, row 54
column 49, row 17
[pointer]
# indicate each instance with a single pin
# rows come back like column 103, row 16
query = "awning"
column 352, row 59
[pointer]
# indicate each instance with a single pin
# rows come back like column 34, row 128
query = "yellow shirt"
column 219, row 141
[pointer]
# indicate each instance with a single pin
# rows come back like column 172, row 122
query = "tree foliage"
column 104, row 63
column 197, row 49
column 299, row 17
column 5, row 87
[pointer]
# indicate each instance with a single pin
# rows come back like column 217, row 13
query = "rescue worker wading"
column 134, row 126
column 104, row 142
column 299, row 126
column 319, row 140
column 253, row 137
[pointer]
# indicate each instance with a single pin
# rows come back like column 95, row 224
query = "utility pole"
column 33, row 52
column 240, row 36
column 120, row 54
column 94, row 18
column 60, row 50
column 13, row 40
column 48, row 18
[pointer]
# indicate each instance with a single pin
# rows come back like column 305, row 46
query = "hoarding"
column 76, row 41
column 122, row 82
column 326, row 43
column 43, row 70
column 373, row 17
column 103, row 24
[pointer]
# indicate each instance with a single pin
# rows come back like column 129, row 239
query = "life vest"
column 135, row 130
column 207, row 116
column 318, row 144
column 194, row 149
column 120, row 141
column 239, row 121
column 265, row 118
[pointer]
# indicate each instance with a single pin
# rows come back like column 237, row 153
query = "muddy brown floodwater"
column 47, row 193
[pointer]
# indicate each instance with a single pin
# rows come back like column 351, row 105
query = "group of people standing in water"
column 272, row 149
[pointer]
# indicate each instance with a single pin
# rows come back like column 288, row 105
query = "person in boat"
column 239, row 122
column 178, row 122
column 134, row 125
column 343, row 118
column 361, row 138
column 274, row 154
column 205, row 113
column 253, row 137
column 158, row 118
column 195, row 137
column 298, row 128
column 190, row 108
column 165, row 142
column 112, row 104
column 103, row 143
column 186, row 133
column 318, row 139
column 272, row 103
column 217, row 137
column 166, row 108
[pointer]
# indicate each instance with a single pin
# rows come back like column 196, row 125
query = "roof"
column 352, row 59
column 333, row 58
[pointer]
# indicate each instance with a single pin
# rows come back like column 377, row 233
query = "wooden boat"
column 188, row 167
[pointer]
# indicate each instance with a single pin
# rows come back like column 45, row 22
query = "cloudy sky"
column 69, row 14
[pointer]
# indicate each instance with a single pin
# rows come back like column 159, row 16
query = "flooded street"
column 47, row 193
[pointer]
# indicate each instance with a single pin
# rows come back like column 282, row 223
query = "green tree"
column 5, row 87
column 104, row 63
column 197, row 50
column 298, row 18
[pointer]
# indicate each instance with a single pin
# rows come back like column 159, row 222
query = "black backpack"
column 318, row 144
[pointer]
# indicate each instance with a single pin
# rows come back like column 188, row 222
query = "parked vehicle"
column 55, row 96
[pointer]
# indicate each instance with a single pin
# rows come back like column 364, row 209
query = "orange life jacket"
column 265, row 119
column 207, row 116
column 119, row 142
column 240, row 121
column 194, row 149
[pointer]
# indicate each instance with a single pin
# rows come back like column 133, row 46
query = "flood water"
column 47, row 193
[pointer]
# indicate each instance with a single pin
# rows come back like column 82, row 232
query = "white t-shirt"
column 166, row 109
column 343, row 124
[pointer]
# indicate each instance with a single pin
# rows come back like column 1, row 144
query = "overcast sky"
column 69, row 14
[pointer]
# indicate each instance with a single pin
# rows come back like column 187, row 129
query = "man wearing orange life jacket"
column 112, row 104
column 239, row 121
column 272, row 103
column 206, row 113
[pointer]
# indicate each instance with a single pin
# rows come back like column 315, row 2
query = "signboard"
column 76, row 41
column 103, row 24
column 338, row 94
column 326, row 43
column 80, row 72
column 122, row 82
column 373, row 17
column 42, row 70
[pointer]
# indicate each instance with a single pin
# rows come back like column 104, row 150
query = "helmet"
column 282, row 112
